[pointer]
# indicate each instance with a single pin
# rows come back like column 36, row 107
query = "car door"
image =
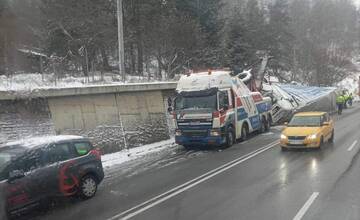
column 57, row 158
column 23, row 191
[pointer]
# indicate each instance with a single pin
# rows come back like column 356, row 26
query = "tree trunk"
column 105, row 60
column 132, row 60
column 139, row 40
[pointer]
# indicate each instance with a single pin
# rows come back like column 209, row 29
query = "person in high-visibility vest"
column 340, row 100
column 350, row 99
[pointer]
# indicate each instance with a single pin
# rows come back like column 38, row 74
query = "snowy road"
column 252, row 180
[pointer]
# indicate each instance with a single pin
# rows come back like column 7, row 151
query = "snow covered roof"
column 204, row 80
column 36, row 141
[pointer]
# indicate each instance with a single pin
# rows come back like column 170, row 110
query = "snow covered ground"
column 117, row 158
column 29, row 82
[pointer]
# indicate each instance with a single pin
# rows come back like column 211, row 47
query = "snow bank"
column 29, row 82
column 117, row 158
column 350, row 83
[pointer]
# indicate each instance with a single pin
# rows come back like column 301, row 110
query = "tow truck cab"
column 214, row 108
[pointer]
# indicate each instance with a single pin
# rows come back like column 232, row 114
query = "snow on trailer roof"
column 306, row 93
column 36, row 141
column 204, row 81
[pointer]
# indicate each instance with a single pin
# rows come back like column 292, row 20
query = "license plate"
column 297, row 142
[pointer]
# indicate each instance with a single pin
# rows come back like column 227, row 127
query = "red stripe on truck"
column 257, row 98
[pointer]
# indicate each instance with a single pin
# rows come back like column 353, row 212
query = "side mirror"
column 326, row 123
column 15, row 174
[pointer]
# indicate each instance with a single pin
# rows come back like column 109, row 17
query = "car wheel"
column 88, row 187
column 331, row 140
column 230, row 138
column 284, row 149
column 244, row 133
column 321, row 142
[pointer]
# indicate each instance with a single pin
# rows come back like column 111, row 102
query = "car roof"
column 44, row 140
column 310, row 113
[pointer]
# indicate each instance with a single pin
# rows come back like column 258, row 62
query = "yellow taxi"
column 307, row 130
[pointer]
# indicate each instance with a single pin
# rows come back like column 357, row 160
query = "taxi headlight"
column 312, row 137
column 283, row 137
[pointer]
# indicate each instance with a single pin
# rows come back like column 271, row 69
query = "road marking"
column 189, row 184
column 306, row 206
column 352, row 146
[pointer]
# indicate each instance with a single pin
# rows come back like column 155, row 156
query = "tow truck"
column 215, row 108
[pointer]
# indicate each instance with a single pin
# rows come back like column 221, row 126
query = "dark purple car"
column 36, row 169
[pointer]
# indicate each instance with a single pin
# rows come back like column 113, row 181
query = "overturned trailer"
column 290, row 98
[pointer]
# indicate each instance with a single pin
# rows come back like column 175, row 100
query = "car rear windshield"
column 305, row 121
column 82, row 148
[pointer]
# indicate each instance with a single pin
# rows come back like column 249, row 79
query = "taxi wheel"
column 321, row 142
column 331, row 140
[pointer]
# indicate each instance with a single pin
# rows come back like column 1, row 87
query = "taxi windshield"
column 305, row 121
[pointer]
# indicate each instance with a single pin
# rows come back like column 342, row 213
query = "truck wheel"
column 268, row 125
column 230, row 138
column 244, row 133
column 88, row 187
column 264, row 124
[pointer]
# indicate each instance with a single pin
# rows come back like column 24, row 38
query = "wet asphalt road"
column 252, row 180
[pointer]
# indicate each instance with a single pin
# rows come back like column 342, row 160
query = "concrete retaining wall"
column 24, row 118
column 104, row 114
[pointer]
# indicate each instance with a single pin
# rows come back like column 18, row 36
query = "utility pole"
column 121, row 39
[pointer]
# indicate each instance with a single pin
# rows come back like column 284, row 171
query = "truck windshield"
column 200, row 102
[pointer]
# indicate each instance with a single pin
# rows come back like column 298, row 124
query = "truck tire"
column 268, row 124
column 244, row 132
column 264, row 125
column 230, row 138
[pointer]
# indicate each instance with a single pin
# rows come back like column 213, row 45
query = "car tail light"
column 97, row 153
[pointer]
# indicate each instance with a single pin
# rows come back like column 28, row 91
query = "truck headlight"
column 312, row 137
column 283, row 137
column 178, row 133
column 215, row 133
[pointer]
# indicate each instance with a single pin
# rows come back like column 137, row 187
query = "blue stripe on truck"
column 255, row 121
column 241, row 114
column 263, row 107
